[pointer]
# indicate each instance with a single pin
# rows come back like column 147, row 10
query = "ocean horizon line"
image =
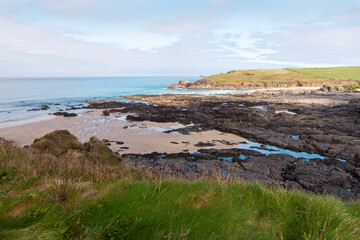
column 82, row 77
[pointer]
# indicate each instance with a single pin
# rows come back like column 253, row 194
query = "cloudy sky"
column 174, row 37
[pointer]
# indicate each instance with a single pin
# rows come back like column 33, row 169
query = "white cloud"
column 187, row 45
column 182, row 24
column 292, row 64
column 344, row 16
column 36, row 50
column 28, row 50
column 333, row 44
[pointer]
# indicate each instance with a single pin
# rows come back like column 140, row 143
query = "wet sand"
column 139, row 137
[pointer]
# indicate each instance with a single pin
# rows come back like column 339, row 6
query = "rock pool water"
column 285, row 111
column 267, row 150
column 260, row 107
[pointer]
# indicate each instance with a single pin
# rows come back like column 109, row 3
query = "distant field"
column 289, row 75
column 265, row 75
column 352, row 73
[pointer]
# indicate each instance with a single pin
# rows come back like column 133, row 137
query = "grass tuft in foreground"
column 47, row 197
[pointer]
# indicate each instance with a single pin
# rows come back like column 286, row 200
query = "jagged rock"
column 205, row 144
column 208, row 83
column 318, row 176
column 328, row 89
column 41, row 108
column 44, row 107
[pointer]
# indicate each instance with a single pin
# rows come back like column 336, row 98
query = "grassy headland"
column 264, row 75
column 67, row 193
column 288, row 75
column 276, row 78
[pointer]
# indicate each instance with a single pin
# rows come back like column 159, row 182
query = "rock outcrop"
column 57, row 142
column 205, row 83
column 278, row 170
column 329, row 89
column 208, row 83
column 63, row 143
column 65, row 114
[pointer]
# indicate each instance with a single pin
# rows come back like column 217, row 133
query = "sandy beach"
column 138, row 137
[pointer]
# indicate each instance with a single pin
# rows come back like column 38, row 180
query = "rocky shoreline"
column 208, row 83
column 324, row 122
column 296, row 139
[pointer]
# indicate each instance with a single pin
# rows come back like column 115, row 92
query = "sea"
column 20, row 98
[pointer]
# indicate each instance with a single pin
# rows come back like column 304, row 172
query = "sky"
column 58, row 38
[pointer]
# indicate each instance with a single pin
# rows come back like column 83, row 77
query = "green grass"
column 287, row 75
column 265, row 75
column 176, row 209
column 40, row 200
column 352, row 86
column 352, row 73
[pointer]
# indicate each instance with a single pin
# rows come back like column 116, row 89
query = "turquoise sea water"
column 18, row 95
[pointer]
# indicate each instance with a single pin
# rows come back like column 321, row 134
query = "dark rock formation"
column 208, row 83
column 280, row 170
column 57, row 142
column 328, row 131
column 205, row 144
column 65, row 114
column 62, row 142
column 44, row 107
column 327, row 89
column 41, row 108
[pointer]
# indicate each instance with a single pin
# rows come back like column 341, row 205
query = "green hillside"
column 306, row 75
column 265, row 75
column 352, row 73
